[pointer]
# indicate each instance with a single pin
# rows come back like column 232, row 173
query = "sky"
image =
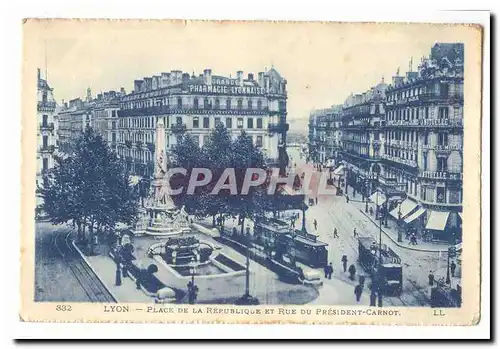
column 322, row 62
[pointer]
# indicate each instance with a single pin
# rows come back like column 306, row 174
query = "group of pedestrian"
column 413, row 239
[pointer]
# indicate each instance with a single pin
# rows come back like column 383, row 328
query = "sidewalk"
column 391, row 231
column 105, row 267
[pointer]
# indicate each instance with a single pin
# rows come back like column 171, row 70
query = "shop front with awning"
column 378, row 198
column 415, row 215
column 437, row 223
column 405, row 208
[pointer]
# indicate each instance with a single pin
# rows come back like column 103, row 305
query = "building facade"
column 406, row 139
column 195, row 104
column 325, row 134
column 362, row 137
column 47, row 125
column 73, row 117
column 424, row 139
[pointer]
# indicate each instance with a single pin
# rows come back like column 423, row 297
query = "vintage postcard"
column 251, row 172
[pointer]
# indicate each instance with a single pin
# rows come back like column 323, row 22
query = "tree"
column 244, row 156
column 90, row 187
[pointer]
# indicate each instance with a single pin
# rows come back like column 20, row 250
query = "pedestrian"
column 326, row 270
column 316, row 200
column 453, row 267
column 344, row 262
column 373, row 299
column 347, row 198
column 358, row 290
column 315, row 224
column 352, row 271
column 355, row 232
column 431, row 278
column 335, row 233
column 330, row 270
column 371, row 211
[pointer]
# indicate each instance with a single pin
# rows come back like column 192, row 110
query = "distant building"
column 195, row 104
column 100, row 113
column 325, row 135
column 47, row 125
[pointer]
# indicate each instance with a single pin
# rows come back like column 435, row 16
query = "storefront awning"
column 339, row 170
column 460, row 214
column 378, row 198
column 437, row 220
column 415, row 215
column 407, row 207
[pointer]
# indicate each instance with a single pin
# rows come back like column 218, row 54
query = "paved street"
column 334, row 211
column 54, row 280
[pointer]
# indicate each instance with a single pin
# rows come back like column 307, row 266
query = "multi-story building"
column 424, row 140
column 73, row 119
column 325, row 135
column 362, row 138
column 47, row 125
column 195, row 104
column 104, row 115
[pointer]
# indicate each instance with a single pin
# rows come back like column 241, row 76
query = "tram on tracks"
column 381, row 262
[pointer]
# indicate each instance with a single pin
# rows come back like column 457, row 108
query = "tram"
column 385, row 261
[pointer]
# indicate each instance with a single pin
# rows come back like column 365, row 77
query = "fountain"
column 181, row 253
column 160, row 217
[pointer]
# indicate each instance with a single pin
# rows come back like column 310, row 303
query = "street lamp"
column 192, row 289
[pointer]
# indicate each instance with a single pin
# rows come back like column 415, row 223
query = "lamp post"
column 400, row 233
column 379, row 266
column 192, row 290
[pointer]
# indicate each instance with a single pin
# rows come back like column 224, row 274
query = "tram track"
column 90, row 283
column 410, row 288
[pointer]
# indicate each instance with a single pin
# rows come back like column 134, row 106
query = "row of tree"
column 217, row 154
column 89, row 188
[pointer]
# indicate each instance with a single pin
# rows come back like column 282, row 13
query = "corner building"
column 424, row 141
column 195, row 104
column 47, row 125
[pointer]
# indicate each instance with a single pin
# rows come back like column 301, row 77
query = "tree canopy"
column 89, row 187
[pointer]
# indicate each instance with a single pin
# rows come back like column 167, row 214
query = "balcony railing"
column 425, row 97
column 278, row 127
column 445, row 122
column 46, row 106
column 407, row 162
column 402, row 144
column 165, row 109
column 178, row 128
column 47, row 149
column 440, row 175
column 443, row 148
column 46, row 126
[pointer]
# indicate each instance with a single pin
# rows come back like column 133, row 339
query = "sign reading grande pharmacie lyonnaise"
column 221, row 88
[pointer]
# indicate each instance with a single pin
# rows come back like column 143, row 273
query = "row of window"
column 197, row 102
column 197, row 122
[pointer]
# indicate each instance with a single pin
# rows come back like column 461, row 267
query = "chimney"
column 165, row 78
column 122, row 90
column 155, row 83
column 250, row 76
column 266, row 82
column 148, row 84
column 207, row 76
column 239, row 77
column 138, row 85
column 261, row 79
column 397, row 80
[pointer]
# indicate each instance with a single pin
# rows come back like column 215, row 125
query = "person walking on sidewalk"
column 326, row 270
column 344, row 262
column 431, row 278
column 358, row 291
column 352, row 272
column 330, row 271
column 315, row 224
column 355, row 233
column 453, row 267
column 335, row 233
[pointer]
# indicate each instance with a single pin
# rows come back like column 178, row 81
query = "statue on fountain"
column 164, row 218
